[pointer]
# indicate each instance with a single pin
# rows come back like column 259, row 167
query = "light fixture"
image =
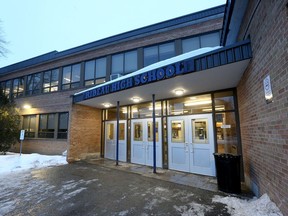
column 106, row 105
column 195, row 103
column 136, row 99
column 179, row 92
column 27, row 106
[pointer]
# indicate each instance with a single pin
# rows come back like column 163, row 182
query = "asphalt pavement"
column 95, row 189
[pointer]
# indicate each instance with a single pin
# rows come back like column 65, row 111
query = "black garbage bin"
column 228, row 172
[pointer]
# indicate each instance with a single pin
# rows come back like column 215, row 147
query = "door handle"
column 186, row 147
column 192, row 148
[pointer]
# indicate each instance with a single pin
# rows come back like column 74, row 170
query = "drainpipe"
column 117, row 134
column 154, row 135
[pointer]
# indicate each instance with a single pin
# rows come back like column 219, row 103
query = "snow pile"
column 254, row 207
column 14, row 162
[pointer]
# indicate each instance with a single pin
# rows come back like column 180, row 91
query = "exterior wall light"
column 27, row 106
column 179, row 92
column 136, row 99
column 106, row 105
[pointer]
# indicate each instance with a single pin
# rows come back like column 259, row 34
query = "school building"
column 169, row 95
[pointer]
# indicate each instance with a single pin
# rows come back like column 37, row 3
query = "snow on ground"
column 13, row 162
column 254, row 207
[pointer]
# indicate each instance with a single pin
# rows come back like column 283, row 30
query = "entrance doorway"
column 191, row 144
column 142, row 142
column 111, row 139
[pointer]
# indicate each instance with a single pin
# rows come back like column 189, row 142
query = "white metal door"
column 190, row 144
column 142, row 142
column 178, row 152
column 201, row 144
column 110, row 140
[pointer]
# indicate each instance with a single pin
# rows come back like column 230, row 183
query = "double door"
column 191, row 144
column 111, row 140
column 142, row 142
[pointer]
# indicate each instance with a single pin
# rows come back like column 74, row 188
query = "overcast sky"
column 35, row 27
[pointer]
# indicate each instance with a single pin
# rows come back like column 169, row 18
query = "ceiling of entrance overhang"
column 217, row 78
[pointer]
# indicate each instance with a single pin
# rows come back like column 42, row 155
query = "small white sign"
column 225, row 126
column 268, row 89
column 22, row 134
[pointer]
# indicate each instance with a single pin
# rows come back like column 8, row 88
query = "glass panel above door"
column 190, row 105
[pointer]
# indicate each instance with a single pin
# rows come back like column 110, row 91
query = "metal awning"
column 214, row 70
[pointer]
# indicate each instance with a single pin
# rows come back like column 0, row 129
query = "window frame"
column 49, row 84
column 46, row 132
column 70, row 84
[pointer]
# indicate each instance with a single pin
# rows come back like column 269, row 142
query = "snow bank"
column 14, row 162
column 254, row 207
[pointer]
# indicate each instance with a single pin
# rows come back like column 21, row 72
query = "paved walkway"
column 101, row 188
column 188, row 179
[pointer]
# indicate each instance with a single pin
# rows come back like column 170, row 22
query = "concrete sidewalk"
column 188, row 179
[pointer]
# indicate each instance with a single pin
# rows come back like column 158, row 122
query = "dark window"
column 33, row 84
column 124, row 63
column 190, row 44
column 150, row 55
column 71, row 76
column 29, row 125
column 50, row 82
column 210, row 40
column 158, row 53
column 46, row 125
column 6, row 87
column 206, row 40
column 18, row 87
column 166, row 51
column 63, row 126
column 95, row 71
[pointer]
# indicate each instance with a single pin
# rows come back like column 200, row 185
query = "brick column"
column 84, row 133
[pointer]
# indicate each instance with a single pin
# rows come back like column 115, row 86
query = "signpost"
column 22, row 136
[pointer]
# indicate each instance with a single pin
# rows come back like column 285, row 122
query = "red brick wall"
column 84, row 133
column 264, row 127
column 42, row 146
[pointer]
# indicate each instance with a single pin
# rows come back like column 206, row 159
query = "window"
column 95, row 71
column 206, row 40
column 18, row 87
column 190, row 105
column 6, row 87
column 33, row 84
column 63, row 126
column 190, row 44
column 71, row 76
column 210, row 40
column 29, row 125
column 46, row 125
column 157, row 53
column 50, row 82
column 124, row 63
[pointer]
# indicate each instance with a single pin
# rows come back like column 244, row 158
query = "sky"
column 33, row 27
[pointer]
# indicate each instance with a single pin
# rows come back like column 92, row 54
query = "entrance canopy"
column 203, row 70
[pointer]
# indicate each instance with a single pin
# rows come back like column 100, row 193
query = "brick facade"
column 84, row 133
column 264, row 127
column 61, row 101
